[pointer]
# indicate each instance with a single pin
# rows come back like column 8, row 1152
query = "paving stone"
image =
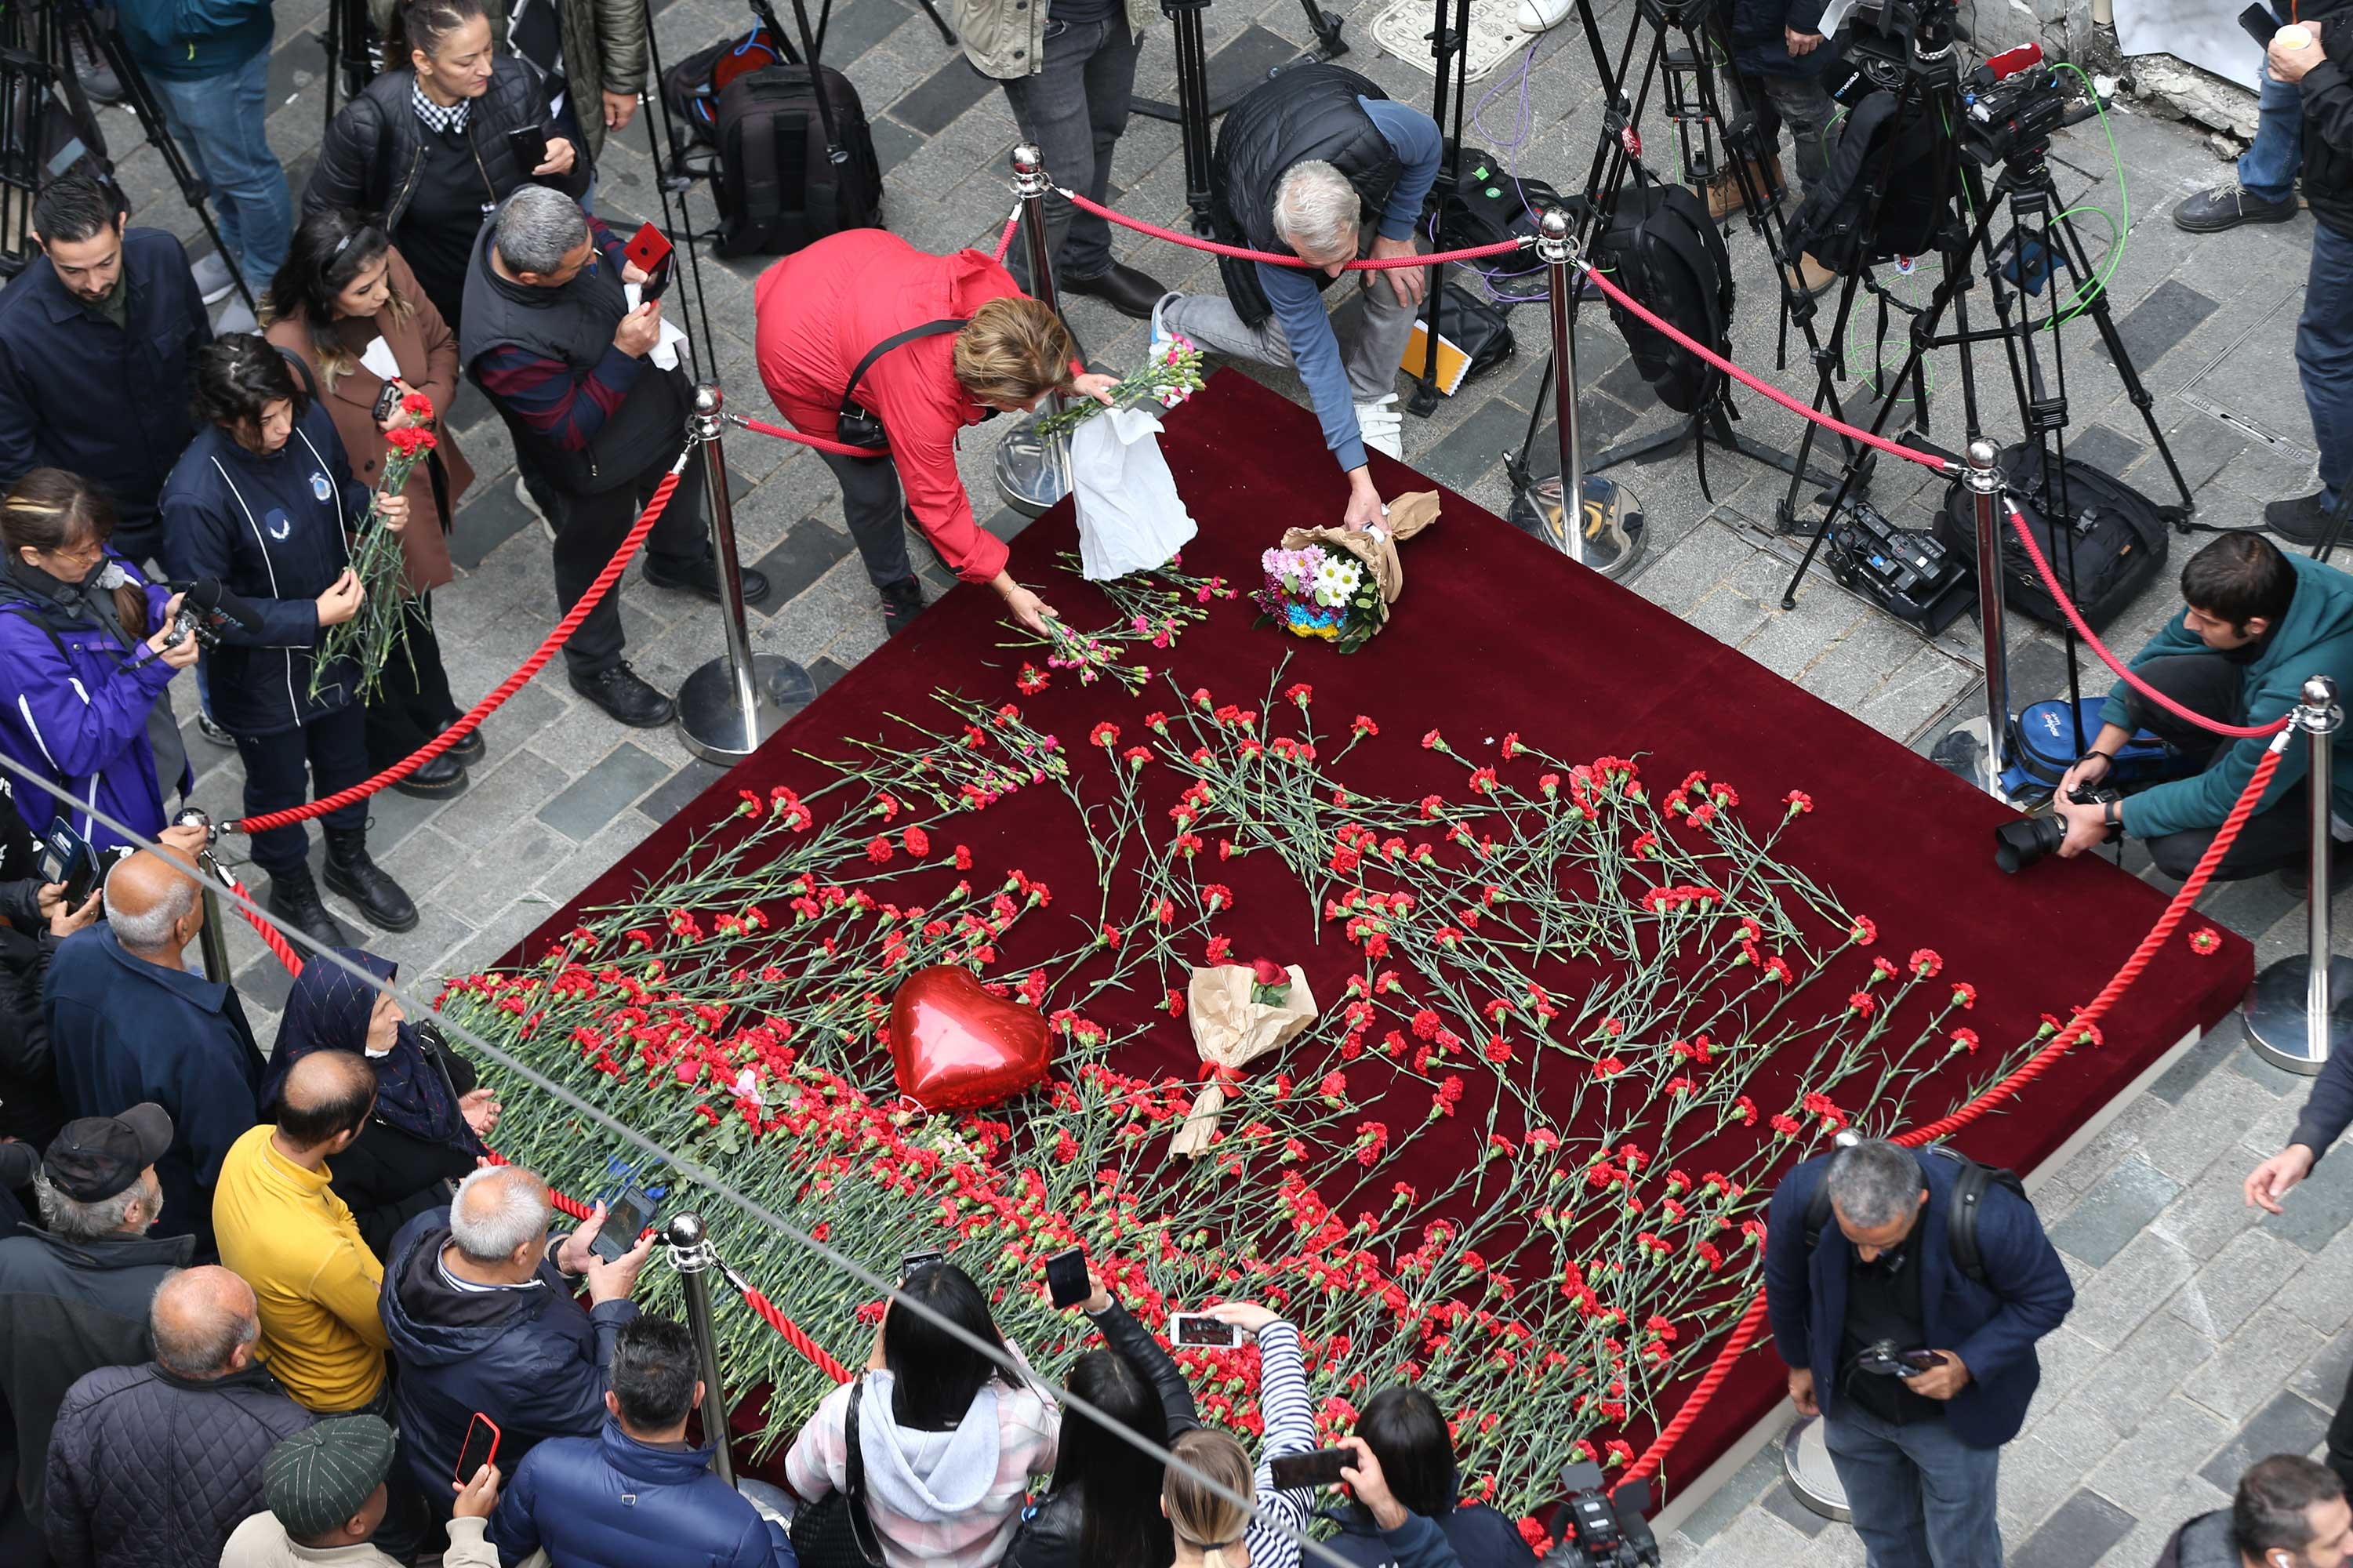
column 892, row 144
column 1726, row 1503
column 2128, row 1287
column 2085, row 1526
column 2321, row 1294
column 809, row 553
column 501, row 789
column 1476, row 444
column 2209, row 1213
column 2290, row 1424
column 2318, row 1209
column 2207, row 1124
column 2035, row 1480
column 2115, row 1211
column 1784, row 1505
column 2210, row 1050
column 592, row 801
column 2241, row 1277
column 2252, row 1363
column 942, row 96
column 2143, row 1472
column 680, row 789
column 2164, row 319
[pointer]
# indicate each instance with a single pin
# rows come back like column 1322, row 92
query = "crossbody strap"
column 854, row 1487
column 928, row 329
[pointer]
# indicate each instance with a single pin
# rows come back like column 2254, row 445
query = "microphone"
column 205, row 594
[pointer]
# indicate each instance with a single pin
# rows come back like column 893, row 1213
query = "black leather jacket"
column 372, row 153
column 1048, row 1536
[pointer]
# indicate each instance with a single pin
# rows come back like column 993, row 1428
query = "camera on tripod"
column 2002, row 117
column 1598, row 1530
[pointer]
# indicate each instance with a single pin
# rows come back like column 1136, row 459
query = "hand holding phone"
column 480, row 1448
column 625, row 1221
column 1067, row 1281
column 918, row 1258
column 529, row 145
column 1320, row 1468
column 648, row 251
column 1199, row 1331
column 2258, row 24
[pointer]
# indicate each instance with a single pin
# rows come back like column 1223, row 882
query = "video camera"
column 206, row 607
column 1598, row 1530
column 2005, row 114
column 1908, row 572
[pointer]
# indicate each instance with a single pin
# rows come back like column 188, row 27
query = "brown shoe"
column 1809, row 277
column 1723, row 193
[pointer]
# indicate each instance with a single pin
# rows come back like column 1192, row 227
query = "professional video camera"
column 1598, row 1530
column 2004, row 114
column 1908, row 572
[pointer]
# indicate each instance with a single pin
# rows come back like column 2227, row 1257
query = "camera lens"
column 2017, row 845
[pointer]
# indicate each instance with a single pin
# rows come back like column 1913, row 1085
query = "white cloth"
column 665, row 348
column 1130, row 517
column 377, row 360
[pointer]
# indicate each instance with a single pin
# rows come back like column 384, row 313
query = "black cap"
column 98, row 1156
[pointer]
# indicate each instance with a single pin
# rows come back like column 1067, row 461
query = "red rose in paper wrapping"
column 956, row 1047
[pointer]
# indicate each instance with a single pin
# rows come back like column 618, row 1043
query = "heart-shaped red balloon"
column 956, row 1047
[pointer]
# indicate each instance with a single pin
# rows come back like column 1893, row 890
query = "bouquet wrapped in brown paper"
column 1338, row 583
column 1236, row 1017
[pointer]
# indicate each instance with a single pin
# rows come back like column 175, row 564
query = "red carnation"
column 2205, row 942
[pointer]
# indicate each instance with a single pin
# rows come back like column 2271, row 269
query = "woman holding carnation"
column 348, row 308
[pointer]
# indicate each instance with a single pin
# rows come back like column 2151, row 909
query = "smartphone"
column 65, row 858
column 1320, row 1468
column 480, row 1447
column 648, row 251
column 1066, row 1278
column 1199, row 1331
column 1918, row 1362
column 2260, row 24
column 625, row 1218
column 919, row 1257
column 387, row 398
column 529, row 145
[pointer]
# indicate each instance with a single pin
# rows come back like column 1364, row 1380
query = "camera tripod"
column 48, row 127
column 1194, row 107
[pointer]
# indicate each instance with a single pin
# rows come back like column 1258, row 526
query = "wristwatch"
column 2110, row 815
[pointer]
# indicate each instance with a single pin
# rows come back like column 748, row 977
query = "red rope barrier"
column 474, row 717
column 272, row 937
column 2051, row 583
column 1744, row 1333
column 796, row 1336
column 823, row 444
column 1363, row 264
column 1003, row 244
column 1895, row 449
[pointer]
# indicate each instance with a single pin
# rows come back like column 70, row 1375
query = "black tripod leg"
column 656, row 109
column 1452, row 48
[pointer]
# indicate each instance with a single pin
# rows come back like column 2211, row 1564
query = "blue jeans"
column 219, row 123
column 2267, row 168
column 2323, row 354
column 1919, row 1499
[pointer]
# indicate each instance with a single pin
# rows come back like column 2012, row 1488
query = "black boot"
column 439, row 779
column 902, row 601
column 351, row 873
column 294, row 900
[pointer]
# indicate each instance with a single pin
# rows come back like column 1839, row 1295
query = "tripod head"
column 1889, row 42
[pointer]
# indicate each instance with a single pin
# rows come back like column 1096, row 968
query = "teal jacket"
column 2315, row 638
column 194, row 40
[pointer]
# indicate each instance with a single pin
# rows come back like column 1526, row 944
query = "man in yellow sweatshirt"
column 294, row 1241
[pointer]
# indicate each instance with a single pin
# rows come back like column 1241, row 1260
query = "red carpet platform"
column 1495, row 635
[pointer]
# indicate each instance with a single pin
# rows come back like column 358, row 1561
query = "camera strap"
column 854, row 423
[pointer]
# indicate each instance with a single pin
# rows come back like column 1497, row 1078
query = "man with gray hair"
column 1906, row 1295
column 73, row 1297
column 127, row 1023
column 1304, row 166
column 556, row 340
column 154, row 1466
column 478, row 1298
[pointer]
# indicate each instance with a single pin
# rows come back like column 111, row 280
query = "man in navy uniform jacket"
column 1920, row 1367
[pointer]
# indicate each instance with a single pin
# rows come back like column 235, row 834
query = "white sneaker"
column 214, row 280
column 1381, row 426
column 1160, row 334
column 1542, row 15
column 522, row 497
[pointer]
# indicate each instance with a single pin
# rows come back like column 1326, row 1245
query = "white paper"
column 1130, row 516
column 377, row 360
column 665, row 349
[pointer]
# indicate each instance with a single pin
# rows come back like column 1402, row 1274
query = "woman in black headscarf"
column 426, row 1133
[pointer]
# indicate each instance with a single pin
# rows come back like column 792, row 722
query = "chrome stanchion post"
column 213, row 940
column 736, row 701
column 1805, row 1451
column 1600, row 525
column 2301, row 1008
column 691, row 1255
column 1992, row 750
column 1033, row 472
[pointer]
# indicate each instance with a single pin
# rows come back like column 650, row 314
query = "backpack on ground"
column 1885, row 193
column 1970, row 1189
column 776, row 188
column 692, row 88
column 1660, row 248
column 2111, row 540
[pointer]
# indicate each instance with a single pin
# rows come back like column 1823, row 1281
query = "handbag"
column 853, row 425
column 834, row 1531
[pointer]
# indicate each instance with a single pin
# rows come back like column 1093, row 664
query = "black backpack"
column 2118, row 540
column 1660, row 248
column 693, row 86
column 1901, row 154
column 777, row 190
column 1970, row 1188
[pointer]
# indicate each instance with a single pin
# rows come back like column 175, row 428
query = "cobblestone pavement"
column 2201, row 1338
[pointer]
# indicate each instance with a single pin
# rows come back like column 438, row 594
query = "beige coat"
column 262, row 1542
column 1006, row 39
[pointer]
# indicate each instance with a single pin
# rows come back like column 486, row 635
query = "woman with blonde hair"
column 1211, row 1474
column 932, row 343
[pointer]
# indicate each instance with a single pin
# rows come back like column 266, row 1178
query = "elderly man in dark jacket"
column 128, row 1025
column 151, row 1467
column 478, row 1298
column 97, row 341
column 1920, row 1364
column 636, row 1493
column 74, row 1298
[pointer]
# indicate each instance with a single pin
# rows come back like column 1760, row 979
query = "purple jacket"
column 74, row 705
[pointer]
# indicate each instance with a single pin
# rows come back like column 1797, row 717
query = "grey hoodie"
column 927, row 1476
column 2204, row 1542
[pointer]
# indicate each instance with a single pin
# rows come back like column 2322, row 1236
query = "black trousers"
column 590, row 528
column 412, row 702
column 876, row 512
column 330, row 752
column 2210, row 684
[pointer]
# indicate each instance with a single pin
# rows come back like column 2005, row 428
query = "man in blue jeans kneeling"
column 1920, row 1365
column 208, row 61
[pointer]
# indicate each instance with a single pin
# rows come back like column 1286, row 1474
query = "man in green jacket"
column 2255, row 625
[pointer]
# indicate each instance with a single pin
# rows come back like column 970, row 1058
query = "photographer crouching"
column 2255, row 625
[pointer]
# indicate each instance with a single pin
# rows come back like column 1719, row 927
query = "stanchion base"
column 711, row 722
column 1806, row 1459
column 1613, row 521
column 1033, row 472
column 2274, row 1011
column 774, row 1502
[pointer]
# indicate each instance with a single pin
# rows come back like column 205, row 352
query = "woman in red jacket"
column 822, row 309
